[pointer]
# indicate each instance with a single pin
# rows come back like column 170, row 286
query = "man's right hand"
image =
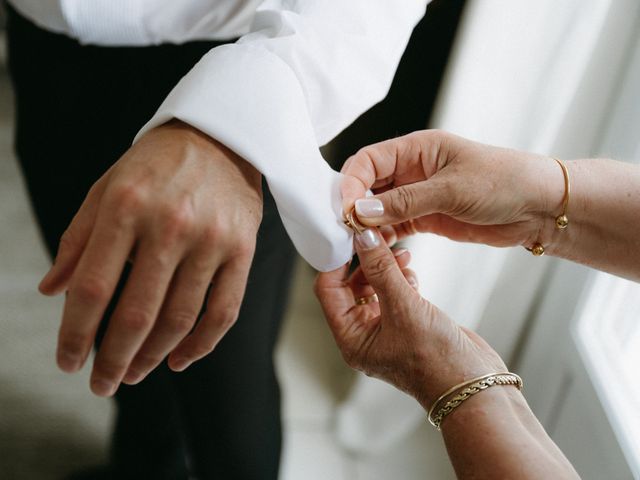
column 186, row 211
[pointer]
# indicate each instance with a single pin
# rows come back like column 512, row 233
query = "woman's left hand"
column 402, row 339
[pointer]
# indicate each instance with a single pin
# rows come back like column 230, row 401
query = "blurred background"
column 559, row 78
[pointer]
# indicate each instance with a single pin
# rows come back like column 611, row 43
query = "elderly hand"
column 403, row 339
column 186, row 210
column 454, row 187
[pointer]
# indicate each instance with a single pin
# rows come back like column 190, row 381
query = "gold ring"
column 366, row 300
column 412, row 227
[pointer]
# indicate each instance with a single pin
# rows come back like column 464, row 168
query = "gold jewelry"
column 467, row 389
column 562, row 221
column 367, row 300
column 351, row 221
column 412, row 227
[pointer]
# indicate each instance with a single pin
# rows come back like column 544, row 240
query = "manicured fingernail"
column 368, row 239
column 180, row 364
column 399, row 251
column 369, row 207
column 103, row 388
column 69, row 362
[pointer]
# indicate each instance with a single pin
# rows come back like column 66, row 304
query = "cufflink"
column 351, row 221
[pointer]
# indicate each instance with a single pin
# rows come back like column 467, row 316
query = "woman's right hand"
column 433, row 181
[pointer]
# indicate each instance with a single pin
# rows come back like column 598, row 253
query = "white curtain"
column 536, row 75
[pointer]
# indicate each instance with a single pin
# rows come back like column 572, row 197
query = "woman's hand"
column 403, row 339
column 454, row 187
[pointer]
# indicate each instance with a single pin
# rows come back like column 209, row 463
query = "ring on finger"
column 411, row 227
column 366, row 300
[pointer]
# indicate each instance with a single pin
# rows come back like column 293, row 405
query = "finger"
column 360, row 285
column 411, row 277
column 72, row 243
column 336, row 298
column 399, row 161
column 134, row 317
column 90, row 290
column 401, row 204
column 380, row 266
column 178, row 315
column 223, row 306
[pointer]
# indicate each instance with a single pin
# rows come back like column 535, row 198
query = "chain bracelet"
column 469, row 389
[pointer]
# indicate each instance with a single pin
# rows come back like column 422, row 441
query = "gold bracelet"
column 562, row 221
column 467, row 389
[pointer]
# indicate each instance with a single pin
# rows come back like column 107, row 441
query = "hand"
column 403, row 339
column 186, row 210
column 454, row 187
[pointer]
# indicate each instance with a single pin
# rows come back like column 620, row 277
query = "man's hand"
column 185, row 210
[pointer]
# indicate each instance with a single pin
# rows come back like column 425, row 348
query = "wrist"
column 553, row 190
column 451, row 362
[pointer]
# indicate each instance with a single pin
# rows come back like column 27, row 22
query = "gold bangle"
column 467, row 389
column 562, row 221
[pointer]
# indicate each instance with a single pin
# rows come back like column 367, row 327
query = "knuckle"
column 245, row 247
column 136, row 320
column 67, row 241
column 180, row 323
column 179, row 220
column 226, row 316
column 202, row 348
column 380, row 266
column 74, row 343
column 91, row 290
column 403, row 201
column 146, row 360
column 125, row 199
column 109, row 368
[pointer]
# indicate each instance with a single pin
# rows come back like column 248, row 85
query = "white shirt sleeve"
column 304, row 73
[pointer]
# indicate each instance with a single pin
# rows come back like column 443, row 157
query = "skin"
column 470, row 192
column 410, row 343
column 478, row 193
column 185, row 211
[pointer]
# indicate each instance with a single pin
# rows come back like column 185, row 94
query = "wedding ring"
column 366, row 300
column 411, row 227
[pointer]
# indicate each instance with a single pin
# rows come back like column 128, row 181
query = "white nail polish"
column 368, row 239
column 369, row 207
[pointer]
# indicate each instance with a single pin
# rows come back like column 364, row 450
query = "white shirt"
column 301, row 72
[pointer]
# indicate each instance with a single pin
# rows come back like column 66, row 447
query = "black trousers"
column 77, row 110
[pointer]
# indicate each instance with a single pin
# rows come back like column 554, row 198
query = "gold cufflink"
column 351, row 221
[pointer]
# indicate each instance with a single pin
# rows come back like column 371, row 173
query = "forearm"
column 495, row 435
column 604, row 216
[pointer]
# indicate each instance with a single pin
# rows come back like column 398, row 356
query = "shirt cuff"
column 250, row 100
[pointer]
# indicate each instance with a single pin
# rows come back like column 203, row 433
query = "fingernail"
column 69, row 362
column 103, row 388
column 399, row 251
column 369, row 207
column 368, row 239
column 413, row 282
column 180, row 364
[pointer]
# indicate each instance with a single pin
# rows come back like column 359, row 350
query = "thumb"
column 380, row 267
column 404, row 203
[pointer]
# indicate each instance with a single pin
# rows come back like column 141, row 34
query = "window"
column 607, row 332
